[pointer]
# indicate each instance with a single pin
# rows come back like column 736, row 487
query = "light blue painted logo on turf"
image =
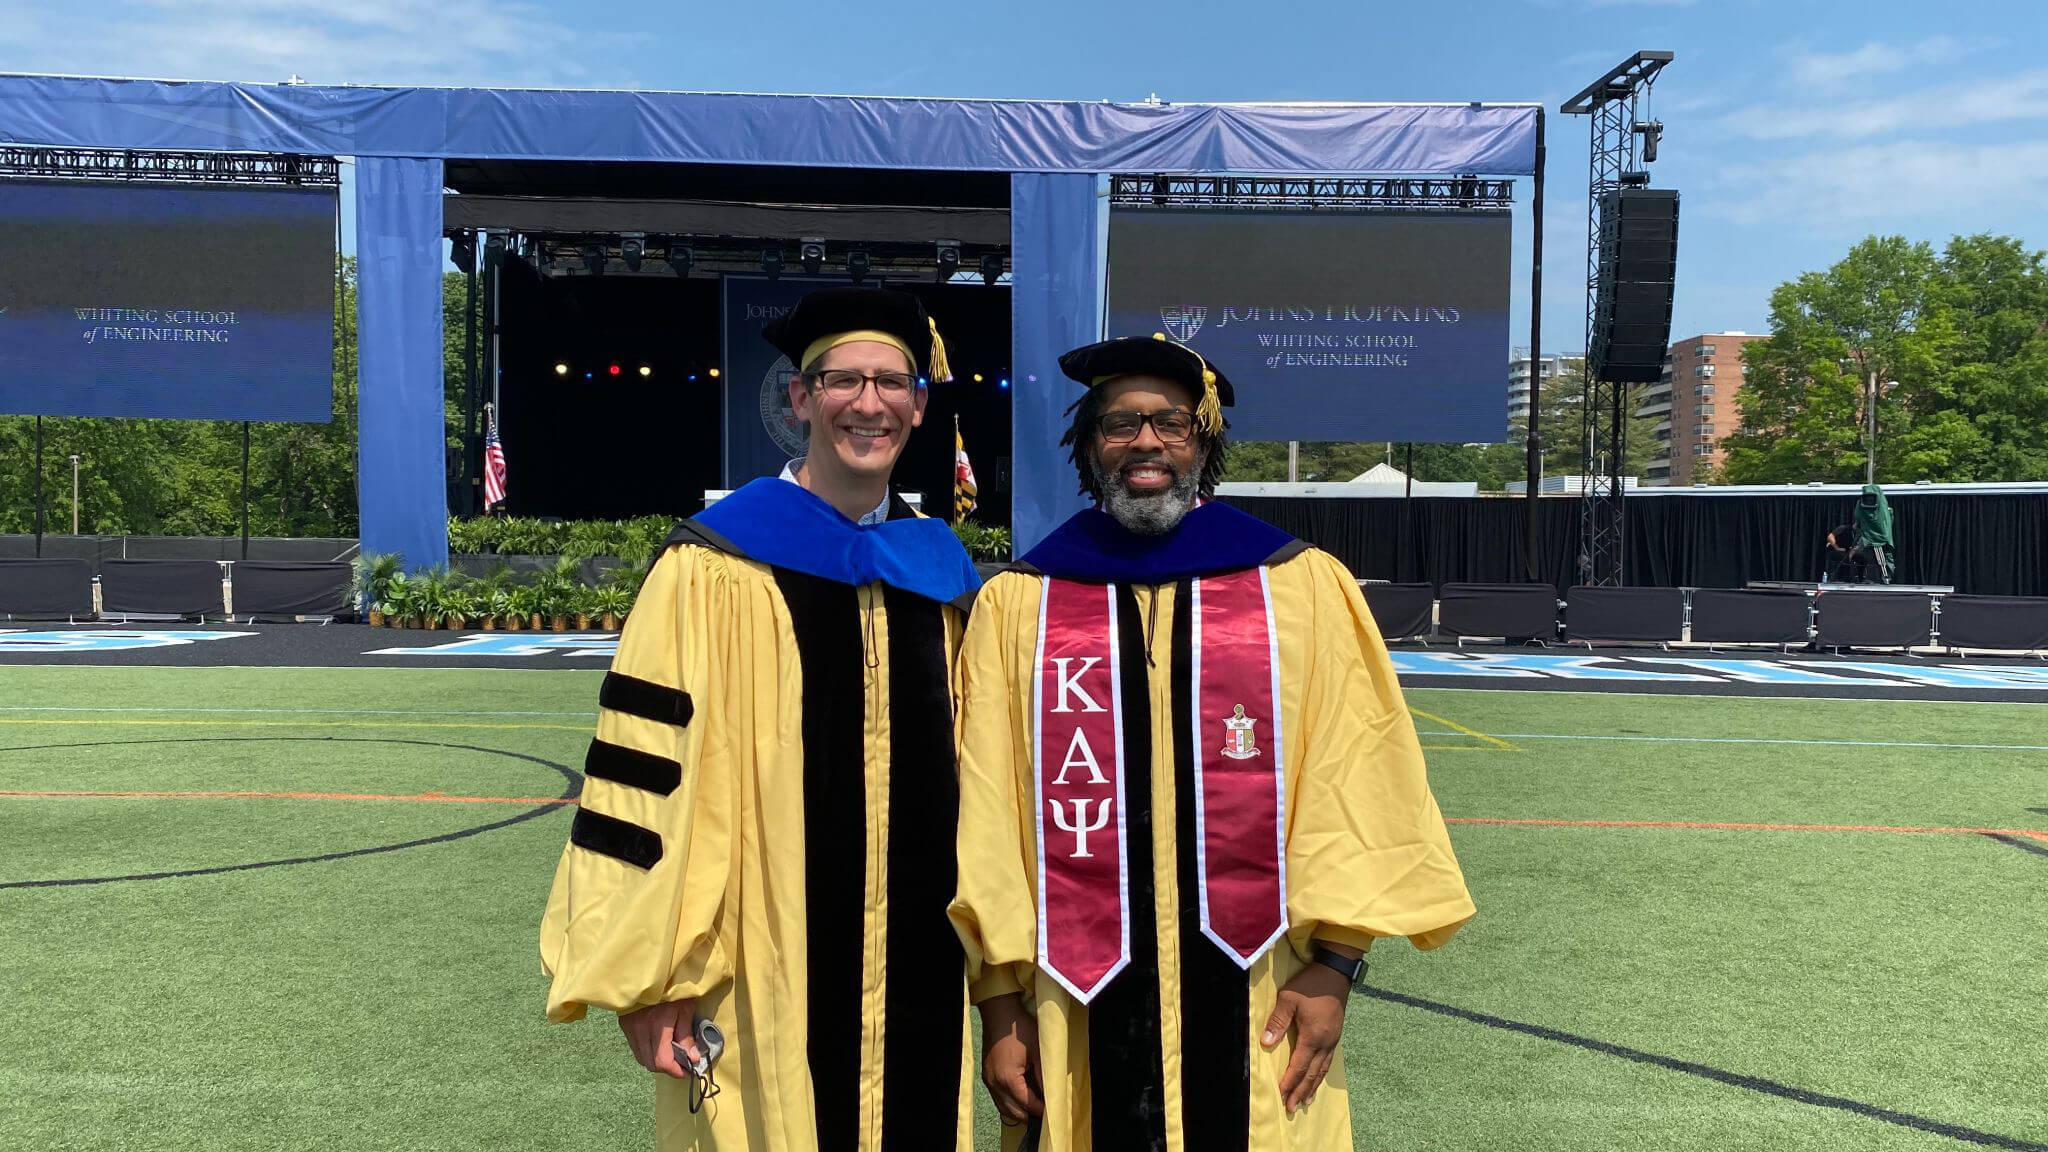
column 603, row 644
column 25, row 643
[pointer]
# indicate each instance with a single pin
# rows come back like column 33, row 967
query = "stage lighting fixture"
column 645, row 371
column 991, row 268
column 1651, row 131
column 593, row 259
column 631, row 249
column 1003, row 383
column 681, row 258
column 693, row 377
column 857, row 265
column 714, row 373
column 494, row 244
column 813, row 256
column 1635, row 179
column 771, row 262
column 949, row 260
column 463, row 252
column 614, row 370
column 590, row 375
column 561, row 369
column 977, row 377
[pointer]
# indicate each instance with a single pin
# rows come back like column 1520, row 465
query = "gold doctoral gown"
column 1165, row 1047
column 767, row 824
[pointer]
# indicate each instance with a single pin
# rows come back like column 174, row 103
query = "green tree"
column 1564, row 429
column 1958, row 342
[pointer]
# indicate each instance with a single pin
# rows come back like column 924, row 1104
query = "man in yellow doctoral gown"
column 766, row 826
column 1191, row 798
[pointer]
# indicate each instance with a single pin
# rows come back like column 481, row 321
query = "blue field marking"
column 27, row 643
column 600, row 644
column 1528, row 666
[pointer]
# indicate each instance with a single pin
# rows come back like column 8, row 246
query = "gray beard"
column 1150, row 513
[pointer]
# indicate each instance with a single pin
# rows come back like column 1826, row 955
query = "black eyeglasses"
column 1173, row 426
column 893, row 386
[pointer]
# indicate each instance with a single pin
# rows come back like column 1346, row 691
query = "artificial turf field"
column 1876, row 978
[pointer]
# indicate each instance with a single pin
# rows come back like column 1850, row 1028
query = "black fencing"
column 45, row 587
column 1991, row 544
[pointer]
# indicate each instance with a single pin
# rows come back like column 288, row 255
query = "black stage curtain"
column 45, row 588
column 169, row 587
column 1648, row 615
column 1992, row 545
column 283, row 589
column 2011, row 622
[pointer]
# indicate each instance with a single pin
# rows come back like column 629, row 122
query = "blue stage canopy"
column 827, row 131
column 1053, row 149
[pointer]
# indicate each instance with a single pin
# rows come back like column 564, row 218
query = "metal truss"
column 1609, row 103
column 156, row 167
column 1170, row 190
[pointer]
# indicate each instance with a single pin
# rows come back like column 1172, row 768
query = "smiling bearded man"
column 764, row 839
column 1191, row 797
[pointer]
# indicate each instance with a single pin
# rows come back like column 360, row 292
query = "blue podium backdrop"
column 1332, row 326
column 761, row 435
column 167, row 302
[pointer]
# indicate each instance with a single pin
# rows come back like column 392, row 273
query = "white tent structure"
column 1380, row 480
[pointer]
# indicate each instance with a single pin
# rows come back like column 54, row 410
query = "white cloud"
column 448, row 42
column 1830, row 70
column 1952, row 186
column 1933, row 109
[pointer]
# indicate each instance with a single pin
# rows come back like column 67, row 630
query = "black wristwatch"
column 1352, row 968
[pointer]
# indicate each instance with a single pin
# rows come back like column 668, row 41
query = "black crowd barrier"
column 1874, row 619
column 45, row 588
column 165, row 587
column 2011, row 622
column 1512, row 611
column 1640, row 615
column 1748, row 616
column 1401, row 610
column 283, row 589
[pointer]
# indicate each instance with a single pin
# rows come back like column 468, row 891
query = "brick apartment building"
column 1694, row 405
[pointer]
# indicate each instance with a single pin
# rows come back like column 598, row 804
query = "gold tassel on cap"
column 1209, row 411
column 941, row 371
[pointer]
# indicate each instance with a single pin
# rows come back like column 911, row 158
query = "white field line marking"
column 1771, row 740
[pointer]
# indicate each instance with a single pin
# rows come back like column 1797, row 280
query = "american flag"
column 963, row 476
column 494, row 461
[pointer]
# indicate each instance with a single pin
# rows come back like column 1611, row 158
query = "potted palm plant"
column 431, row 588
column 460, row 604
column 373, row 576
column 396, row 600
column 610, row 602
column 522, row 608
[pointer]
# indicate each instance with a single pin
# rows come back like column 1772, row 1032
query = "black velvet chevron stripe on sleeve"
column 645, row 699
column 615, row 838
column 633, row 768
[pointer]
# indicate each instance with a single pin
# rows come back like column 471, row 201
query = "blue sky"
column 1792, row 128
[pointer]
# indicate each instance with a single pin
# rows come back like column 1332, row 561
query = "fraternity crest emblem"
column 1238, row 741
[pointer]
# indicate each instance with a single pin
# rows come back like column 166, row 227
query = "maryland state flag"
column 963, row 476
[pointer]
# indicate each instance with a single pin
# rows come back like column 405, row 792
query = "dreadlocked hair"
column 1079, row 440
